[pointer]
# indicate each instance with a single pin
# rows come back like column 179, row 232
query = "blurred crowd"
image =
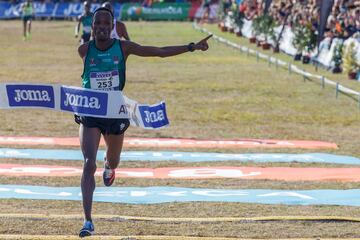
column 343, row 22
column 80, row 1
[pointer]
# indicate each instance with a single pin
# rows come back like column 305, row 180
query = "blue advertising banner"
column 82, row 101
column 54, row 10
column 154, row 116
column 30, row 96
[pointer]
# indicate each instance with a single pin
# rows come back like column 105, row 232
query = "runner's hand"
column 203, row 45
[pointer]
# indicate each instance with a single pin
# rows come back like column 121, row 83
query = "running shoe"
column 88, row 229
column 108, row 175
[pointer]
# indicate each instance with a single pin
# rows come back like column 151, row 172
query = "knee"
column 89, row 167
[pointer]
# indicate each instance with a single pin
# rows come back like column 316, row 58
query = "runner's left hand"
column 203, row 45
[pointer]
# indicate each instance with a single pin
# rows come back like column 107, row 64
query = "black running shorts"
column 86, row 37
column 107, row 126
column 27, row 18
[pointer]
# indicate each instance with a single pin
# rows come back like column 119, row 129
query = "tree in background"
column 337, row 57
column 304, row 40
column 264, row 26
column 351, row 67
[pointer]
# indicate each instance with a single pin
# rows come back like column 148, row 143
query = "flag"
column 325, row 9
column 267, row 5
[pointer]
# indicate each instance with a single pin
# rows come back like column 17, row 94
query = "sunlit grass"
column 221, row 94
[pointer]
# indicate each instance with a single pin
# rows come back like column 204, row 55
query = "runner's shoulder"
column 80, row 17
column 82, row 50
column 120, row 24
column 125, row 43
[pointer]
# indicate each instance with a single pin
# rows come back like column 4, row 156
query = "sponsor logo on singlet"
column 92, row 62
column 116, row 60
column 103, row 54
column 30, row 95
column 83, row 101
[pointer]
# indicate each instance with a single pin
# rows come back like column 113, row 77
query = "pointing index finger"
column 205, row 39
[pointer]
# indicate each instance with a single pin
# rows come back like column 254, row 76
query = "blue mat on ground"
column 152, row 195
column 49, row 154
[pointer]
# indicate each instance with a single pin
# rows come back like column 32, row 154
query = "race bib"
column 87, row 29
column 104, row 80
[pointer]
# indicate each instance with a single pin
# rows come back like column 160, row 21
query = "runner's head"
column 108, row 6
column 87, row 6
column 102, row 24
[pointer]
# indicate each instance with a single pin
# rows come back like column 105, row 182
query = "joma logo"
column 31, row 95
column 154, row 116
column 81, row 101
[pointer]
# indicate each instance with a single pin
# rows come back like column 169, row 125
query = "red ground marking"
column 176, row 143
column 277, row 173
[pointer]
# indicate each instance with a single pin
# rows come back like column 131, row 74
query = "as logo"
column 83, row 101
column 31, row 95
column 123, row 110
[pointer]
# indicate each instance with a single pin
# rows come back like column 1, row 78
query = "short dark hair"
column 108, row 5
column 104, row 9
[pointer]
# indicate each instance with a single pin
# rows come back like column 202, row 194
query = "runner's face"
column 87, row 8
column 102, row 25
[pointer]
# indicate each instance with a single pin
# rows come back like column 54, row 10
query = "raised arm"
column 150, row 51
column 122, row 31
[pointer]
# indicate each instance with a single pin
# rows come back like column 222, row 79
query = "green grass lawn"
column 340, row 78
column 220, row 94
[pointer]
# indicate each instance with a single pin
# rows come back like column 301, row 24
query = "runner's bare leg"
column 89, row 142
column 114, row 145
column 24, row 28
column 29, row 26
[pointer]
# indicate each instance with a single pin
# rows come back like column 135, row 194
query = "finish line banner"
column 84, row 102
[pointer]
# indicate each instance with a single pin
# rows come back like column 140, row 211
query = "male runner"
column 27, row 15
column 105, row 56
column 85, row 19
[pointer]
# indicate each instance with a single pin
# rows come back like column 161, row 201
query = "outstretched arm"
column 149, row 51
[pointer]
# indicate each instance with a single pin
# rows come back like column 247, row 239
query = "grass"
column 341, row 78
column 218, row 94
